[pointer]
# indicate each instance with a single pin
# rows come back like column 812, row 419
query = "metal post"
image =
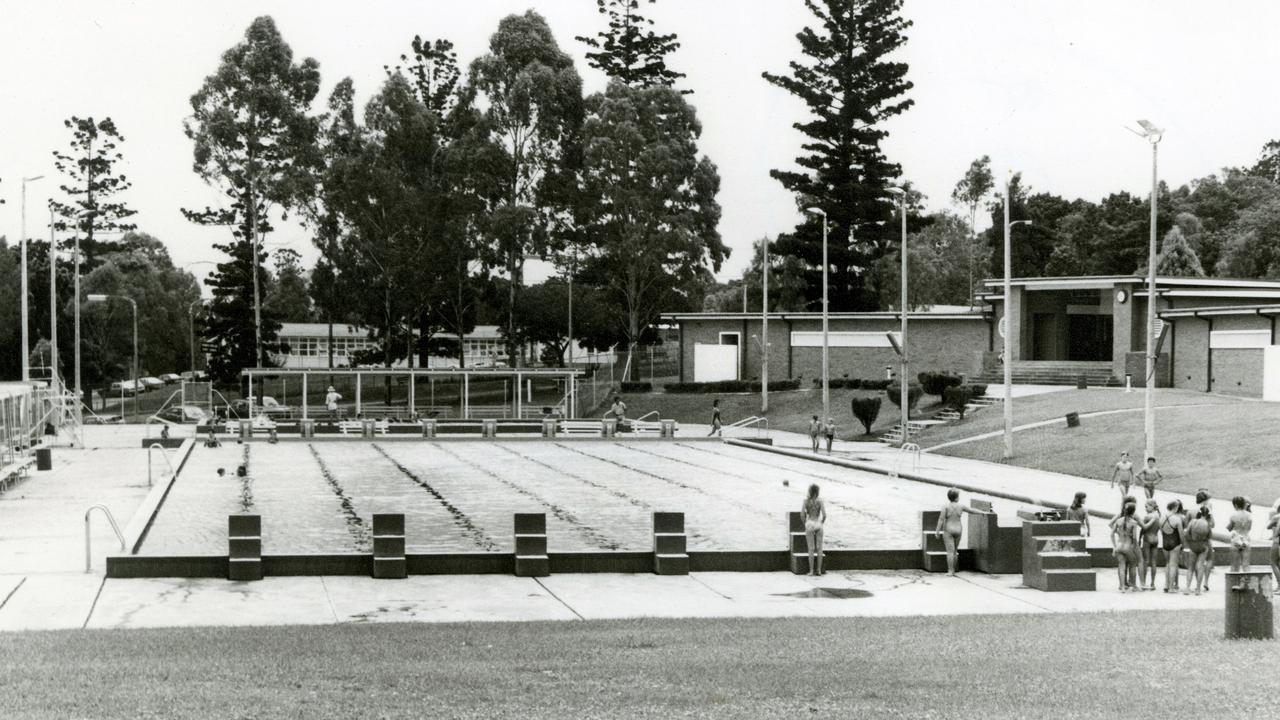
column 1008, row 330
column 358, row 390
column 764, row 331
column 22, row 241
column 903, row 381
column 304, row 396
column 1149, row 398
column 76, row 305
column 136, row 377
column 826, row 389
column 53, row 307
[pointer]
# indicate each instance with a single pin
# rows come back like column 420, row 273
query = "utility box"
column 1249, row 614
column 44, row 458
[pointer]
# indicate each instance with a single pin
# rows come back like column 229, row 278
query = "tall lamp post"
column 1008, row 356
column 764, row 328
column 826, row 387
column 26, row 339
column 1153, row 135
column 98, row 298
column 903, row 382
column 191, row 324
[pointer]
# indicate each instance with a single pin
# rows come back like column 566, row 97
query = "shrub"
column 894, row 392
column 875, row 384
column 866, row 410
column 637, row 387
column 977, row 390
column 956, row 398
column 935, row 383
column 729, row 386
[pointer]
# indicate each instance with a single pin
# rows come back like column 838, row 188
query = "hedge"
column 844, row 383
column 935, row 383
column 637, row 387
column 894, row 392
column 729, row 386
column 866, row 410
column 957, row 398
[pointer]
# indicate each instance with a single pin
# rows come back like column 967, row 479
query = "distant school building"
column 1217, row 335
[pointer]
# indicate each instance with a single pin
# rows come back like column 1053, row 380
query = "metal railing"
column 163, row 454
column 88, row 539
column 761, row 424
column 907, row 448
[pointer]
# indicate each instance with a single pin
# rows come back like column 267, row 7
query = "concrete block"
column 388, row 546
column 670, row 543
column 244, row 548
column 530, row 523
column 388, row 524
column 672, row 564
column 244, row 569
column 531, row 545
column 390, row 568
column 532, row 566
column 242, row 525
column 669, row 522
column 1070, row 581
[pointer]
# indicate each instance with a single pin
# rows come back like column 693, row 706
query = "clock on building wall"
column 1122, row 296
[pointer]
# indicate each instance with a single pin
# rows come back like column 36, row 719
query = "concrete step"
column 935, row 561
column 671, row 564
column 390, row 568
column 932, row 541
column 1067, row 543
column 1063, row 560
column 669, row 543
column 532, row 566
column 1070, row 580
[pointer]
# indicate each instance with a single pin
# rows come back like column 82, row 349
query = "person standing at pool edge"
column 619, row 410
column 951, row 528
column 1150, row 477
column 1240, row 524
column 1123, row 472
column 829, row 430
column 715, row 418
column 1078, row 513
column 331, row 398
column 815, row 516
column 815, row 429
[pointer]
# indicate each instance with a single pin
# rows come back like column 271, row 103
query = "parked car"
column 171, row 378
column 269, row 407
column 183, row 414
column 93, row 419
column 128, row 387
column 149, row 383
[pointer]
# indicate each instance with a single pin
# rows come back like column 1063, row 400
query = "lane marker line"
column 329, row 600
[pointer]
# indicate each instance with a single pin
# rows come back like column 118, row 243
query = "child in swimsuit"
column 715, row 418
column 1123, row 472
column 815, row 516
column 1079, row 514
column 1197, row 541
column 1274, row 526
column 1150, row 477
column 1147, row 548
column 815, row 427
column 951, row 528
column 1172, row 529
column 1239, row 525
column 1124, row 540
column 1202, row 502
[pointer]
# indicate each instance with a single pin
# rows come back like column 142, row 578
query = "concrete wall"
column 1235, row 371
column 950, row 345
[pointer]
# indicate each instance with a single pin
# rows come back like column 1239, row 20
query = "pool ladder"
column 88, row 540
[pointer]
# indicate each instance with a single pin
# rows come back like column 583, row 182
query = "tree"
column 852, row 89
column 1177, row 258
column 936, row 266
column 972, row 189
column 93, row 184
column 654, row 228
column 255, row 141
column 534, row 108
column 1268, row 165
column 1253, row 249
column 629, row 50
column 287, row 296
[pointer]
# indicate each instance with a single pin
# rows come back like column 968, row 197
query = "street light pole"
column 1153, row 135
column 26, row 338
column 191, row 324
column 1008, row 356
column 53, row 307
column 764, row 329
column 826, row 386
column 903, row 381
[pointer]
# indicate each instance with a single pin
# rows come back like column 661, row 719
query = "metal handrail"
column 755, row 420
column 88, row 551
column 163, row 454
column 912, row 448
column 642, row 417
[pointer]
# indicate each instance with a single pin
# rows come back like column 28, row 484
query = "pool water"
column 319, row 497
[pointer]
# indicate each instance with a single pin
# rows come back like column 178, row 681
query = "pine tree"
column 1177, row 257
column 629, row 50
column 851, row 89
column 92, row 184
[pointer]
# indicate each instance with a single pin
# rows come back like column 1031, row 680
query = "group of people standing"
column 819, row 429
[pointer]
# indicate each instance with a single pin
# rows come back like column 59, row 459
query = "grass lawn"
column 788, row 410
column 1048, row 406
column 1229, row 448
column 1077, row 666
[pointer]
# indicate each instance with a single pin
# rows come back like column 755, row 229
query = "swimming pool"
column 319, row 497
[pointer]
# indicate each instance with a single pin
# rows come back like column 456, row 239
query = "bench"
column 13, row 472
column 593, row 428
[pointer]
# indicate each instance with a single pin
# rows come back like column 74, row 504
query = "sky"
column 1044, row 88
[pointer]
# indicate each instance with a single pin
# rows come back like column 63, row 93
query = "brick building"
column 1218, row 335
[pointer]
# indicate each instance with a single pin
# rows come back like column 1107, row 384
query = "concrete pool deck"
column 42, row 585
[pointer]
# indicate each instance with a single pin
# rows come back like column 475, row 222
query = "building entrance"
column 1089, row 337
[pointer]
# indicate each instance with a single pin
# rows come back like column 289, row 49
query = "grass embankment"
column 978, row 666
column 1229, row 448
column 788, row 410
